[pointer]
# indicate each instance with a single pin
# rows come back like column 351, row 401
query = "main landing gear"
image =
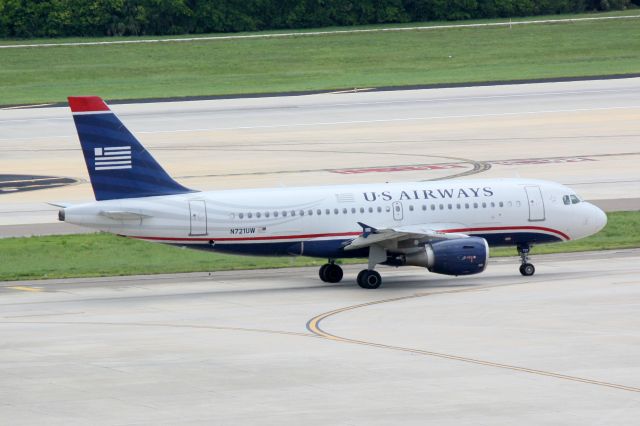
column 369, row 279
column 527, row 269
column 331, row 273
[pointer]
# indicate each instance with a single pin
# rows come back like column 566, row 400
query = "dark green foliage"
column 56, row 18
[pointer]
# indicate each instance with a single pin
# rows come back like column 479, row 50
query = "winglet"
column 367, row 230
column 87, row 104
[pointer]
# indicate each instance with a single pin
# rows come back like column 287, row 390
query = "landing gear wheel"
column 331, row 273
column 527, row 269
column 369, row 279
column 322, row 271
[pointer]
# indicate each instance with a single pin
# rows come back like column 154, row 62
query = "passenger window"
column 433, row 206
column 370, row 209
column 410, row 208
column 336, row 211
column 379, row 209
column 241, row 215
column 493, row 204
column 327, row 212
column 441, row 206
column 501, row 204
column 301, row 212
column 458, row 206
column 353, row 210
column 424, row 207
column 293, row 212
column 449, row 206
column 275, row 214
column 517, row 203
column 266, row 214
column 310, row 212
column 387, row 209
column 566, row 200
column 361, row 209
column 475, row 205
column 319, row 212
column 284, row 213
column 345, row 211
column 484, row 205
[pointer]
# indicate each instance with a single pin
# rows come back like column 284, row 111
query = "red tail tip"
column 87, row 104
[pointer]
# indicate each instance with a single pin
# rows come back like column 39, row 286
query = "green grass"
column 93, row 255
column 38, row 75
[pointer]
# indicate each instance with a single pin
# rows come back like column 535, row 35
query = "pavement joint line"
column 509, row 24
column 313, row 325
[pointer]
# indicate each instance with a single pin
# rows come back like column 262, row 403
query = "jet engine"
column 462, row 256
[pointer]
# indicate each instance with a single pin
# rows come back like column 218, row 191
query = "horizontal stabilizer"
column 61, row 204
column 123, row 215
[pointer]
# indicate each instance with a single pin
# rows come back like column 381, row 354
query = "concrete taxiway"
column 584, row 134
column 279, row 347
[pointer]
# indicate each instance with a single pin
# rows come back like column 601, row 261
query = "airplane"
column 445, row 227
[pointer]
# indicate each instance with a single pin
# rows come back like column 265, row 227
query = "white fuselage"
column 317, row 220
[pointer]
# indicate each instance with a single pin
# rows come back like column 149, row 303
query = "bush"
column 57, row 18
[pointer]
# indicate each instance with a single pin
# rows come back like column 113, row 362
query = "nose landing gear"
column 330, row 272
column 527, row 269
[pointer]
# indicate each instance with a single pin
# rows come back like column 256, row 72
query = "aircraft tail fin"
column 118, row 165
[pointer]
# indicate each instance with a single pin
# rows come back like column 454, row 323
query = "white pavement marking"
column 336, row 123
column 24, row 106
column 322, row 33
column 389, row 120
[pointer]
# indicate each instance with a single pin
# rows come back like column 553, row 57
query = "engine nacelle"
column 463, row 256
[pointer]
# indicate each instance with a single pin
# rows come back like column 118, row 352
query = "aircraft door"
column 536, row 203
column 197, row 217
column 396, row 206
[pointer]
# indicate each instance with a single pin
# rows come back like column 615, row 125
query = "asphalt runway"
column 280, row 347
column 584, row 134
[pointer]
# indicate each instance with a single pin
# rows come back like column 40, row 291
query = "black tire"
column 527, row 269
column 369, row 279
column 333, row 273
column 322, row 272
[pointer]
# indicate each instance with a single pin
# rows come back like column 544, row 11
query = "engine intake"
column 463, row 256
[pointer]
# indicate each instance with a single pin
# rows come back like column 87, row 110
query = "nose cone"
column 599, row 219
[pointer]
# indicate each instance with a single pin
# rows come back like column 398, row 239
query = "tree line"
column 65, row 18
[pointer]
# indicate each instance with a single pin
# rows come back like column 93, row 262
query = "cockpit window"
column 575, row 199
column 566, row 199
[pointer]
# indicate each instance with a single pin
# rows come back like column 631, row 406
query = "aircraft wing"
column 390, row 237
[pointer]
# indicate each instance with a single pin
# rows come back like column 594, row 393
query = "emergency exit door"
column 397, row 210
column 536, row 204
column 198, row 217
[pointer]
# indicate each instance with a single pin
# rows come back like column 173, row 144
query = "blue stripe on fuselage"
column 334, row 248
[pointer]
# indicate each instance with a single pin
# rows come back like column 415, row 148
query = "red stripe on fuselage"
column 352, row 234
column 265, row 238
column 510, row 228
